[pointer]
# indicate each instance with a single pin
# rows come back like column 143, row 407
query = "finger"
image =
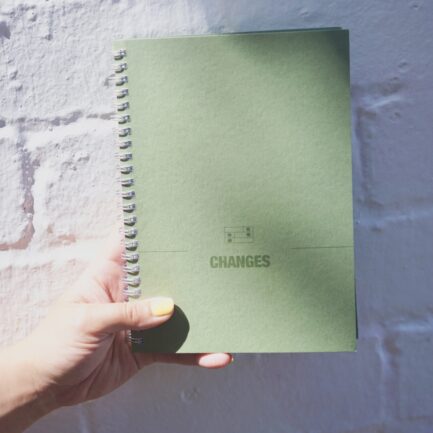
column 214, row 360
column 207, row 360
column 119, row 316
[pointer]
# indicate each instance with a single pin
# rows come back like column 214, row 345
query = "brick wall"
column 57, row 200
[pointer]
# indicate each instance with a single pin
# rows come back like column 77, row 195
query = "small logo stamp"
column 239, row 235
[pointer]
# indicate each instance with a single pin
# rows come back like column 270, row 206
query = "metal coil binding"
column 131, row 257
column 125, row 144
column 128, row 194
column 131, row 268
column 130, row 221
column 131, row 287
column 136, row 339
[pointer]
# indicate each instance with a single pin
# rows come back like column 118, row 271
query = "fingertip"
column 152, row 312
column 215, row 360
column 161, row 306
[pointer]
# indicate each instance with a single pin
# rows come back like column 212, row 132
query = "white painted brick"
column 57, row 197
column 15, row 203
column 72, row 419
column 57, row 56
column 413, row 426
column 267, row 393
column 413, row 353
column 394, row 259
column 75, row 183
column 27, row 290
column 395, row 145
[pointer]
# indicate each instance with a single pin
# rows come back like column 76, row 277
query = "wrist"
column 26, row 397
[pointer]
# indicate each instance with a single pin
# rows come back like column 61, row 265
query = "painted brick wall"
column 57, row 200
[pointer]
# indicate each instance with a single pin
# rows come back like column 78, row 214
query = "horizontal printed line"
column 164, row 251
column 292, row 248
column 331, row 246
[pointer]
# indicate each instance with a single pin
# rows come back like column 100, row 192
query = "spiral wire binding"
column 131, row 256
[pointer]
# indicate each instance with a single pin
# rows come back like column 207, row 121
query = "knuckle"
column 131, row 313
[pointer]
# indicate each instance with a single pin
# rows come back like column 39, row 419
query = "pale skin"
column 79, row 351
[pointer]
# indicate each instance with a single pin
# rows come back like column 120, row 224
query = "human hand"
column 80, row 351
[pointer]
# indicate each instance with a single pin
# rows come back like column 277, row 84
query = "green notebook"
column 237, row 189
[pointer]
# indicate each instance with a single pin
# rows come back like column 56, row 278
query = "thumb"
column 118, row 316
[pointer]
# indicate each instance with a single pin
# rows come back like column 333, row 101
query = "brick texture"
column 57, row 201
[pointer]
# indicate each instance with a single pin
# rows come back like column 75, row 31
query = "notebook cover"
column 241, row 150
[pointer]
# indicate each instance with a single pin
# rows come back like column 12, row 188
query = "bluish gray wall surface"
column 57, row 200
